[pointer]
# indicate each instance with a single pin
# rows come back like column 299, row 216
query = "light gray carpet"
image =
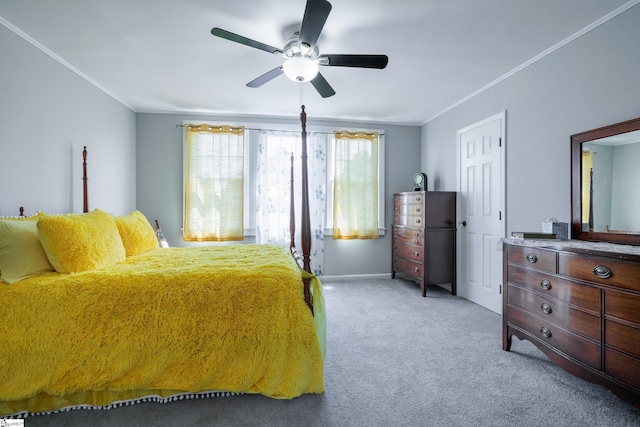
column 397, row 359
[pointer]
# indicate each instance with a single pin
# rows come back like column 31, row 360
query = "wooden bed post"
column 85, row 195
column 305, row 232
column 305, row 225
column 292, row 213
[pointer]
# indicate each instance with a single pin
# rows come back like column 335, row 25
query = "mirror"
column 605, row 172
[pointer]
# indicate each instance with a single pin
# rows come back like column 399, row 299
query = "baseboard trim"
column 357, row 276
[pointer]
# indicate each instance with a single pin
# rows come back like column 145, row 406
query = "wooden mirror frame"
column 576, row 182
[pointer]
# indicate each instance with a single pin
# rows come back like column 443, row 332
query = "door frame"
column 502, row 115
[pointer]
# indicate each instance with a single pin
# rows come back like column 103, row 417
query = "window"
column 214, row 183
column 263, row 160
column 355, row 185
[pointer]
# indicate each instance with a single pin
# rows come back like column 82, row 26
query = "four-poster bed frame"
column 251, row 282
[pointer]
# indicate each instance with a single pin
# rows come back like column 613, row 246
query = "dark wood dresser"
column 579, row 303
column 424, row 238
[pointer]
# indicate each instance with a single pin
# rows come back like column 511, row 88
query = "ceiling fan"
column 301, row 52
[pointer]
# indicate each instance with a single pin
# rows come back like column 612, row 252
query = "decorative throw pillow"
column 81, row 242
column 136, row 233
column 21, row 254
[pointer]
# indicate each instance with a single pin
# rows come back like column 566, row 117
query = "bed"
column 115, row 319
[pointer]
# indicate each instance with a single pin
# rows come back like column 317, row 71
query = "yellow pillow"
column 80, row 242
column 136, row 233
column 21, row 254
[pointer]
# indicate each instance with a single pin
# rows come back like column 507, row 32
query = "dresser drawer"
column 410, row 198
column 552, row 310
column 625, row 337
column 410, row 252
column 412, row 220
column 622, row 305
column 410, row 236
column 409, row 220
column 408, row 267
column 622, row 366
column 416, row 210
column 584, row 296
column 602, row 270
column 582, row 349
column 539, row 259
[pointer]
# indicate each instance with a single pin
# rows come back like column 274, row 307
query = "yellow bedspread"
column 226, row 318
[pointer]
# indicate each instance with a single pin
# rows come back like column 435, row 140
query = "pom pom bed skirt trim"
column 157, row 397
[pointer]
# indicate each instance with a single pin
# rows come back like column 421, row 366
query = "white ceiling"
column 159, row 55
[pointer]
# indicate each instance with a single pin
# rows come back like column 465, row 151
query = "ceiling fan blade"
column 268, row 76
column 244, row 40
column 360, row 61
column 322, row 86
column 315, row 15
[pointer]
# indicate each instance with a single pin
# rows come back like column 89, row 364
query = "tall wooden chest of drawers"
column 579, row 303
column 424, row 238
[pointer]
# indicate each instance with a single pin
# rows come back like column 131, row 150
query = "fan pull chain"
column 301, row 94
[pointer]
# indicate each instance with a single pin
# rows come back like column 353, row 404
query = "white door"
column 481, row 225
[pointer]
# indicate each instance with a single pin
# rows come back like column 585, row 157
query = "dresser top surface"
column 581, row 246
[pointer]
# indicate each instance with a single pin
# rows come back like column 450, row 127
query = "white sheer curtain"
column 274, row 184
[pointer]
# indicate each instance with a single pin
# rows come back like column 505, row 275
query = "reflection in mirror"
column 610, row 173
column 605, row 172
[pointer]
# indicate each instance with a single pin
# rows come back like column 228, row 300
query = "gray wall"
column 159, row 182
column 588, row 83
column 47, row 114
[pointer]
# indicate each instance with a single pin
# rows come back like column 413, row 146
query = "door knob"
column 463, row 223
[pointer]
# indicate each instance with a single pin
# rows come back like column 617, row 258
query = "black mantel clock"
column 420, row 182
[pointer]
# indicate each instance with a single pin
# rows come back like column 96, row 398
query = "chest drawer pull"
column 546, row 308
column 546, row 332
column 532, row 258
column 417, row 209
column 545, row 284
column 417, row 270
column 602, row 272
column 416, row 253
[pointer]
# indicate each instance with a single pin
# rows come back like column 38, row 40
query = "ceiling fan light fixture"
column 300, row 69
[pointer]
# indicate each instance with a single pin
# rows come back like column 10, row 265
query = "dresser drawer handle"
column 417, row 221
column 546, row 308
column 602, row 272
column 417, row 270
column 416, row 253
column 418, row 199
column 532, row 258
column 546, row 332
column 545, row 284
column 417, row 209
